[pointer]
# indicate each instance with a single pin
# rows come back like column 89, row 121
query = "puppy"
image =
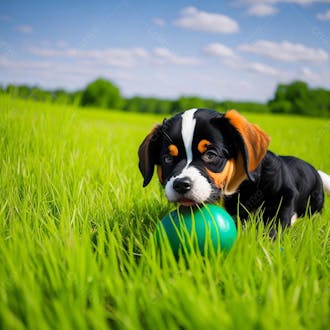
column 202, row 155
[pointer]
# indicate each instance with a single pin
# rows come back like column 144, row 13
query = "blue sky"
column 238, row 49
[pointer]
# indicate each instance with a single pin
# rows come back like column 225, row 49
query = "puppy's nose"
column 182, row 185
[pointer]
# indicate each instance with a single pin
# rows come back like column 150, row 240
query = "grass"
column 76, row 226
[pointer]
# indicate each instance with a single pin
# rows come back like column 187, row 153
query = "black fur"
column 282, row 186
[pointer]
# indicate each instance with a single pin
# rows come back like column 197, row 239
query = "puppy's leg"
column 285, row 216
column 281, row 211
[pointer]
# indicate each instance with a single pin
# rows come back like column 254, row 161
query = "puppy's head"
column 201, row 154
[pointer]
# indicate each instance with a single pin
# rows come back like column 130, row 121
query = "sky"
column 239, row 50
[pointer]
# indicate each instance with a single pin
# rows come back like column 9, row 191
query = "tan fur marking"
column 173, row 149
column 220, row 179
column 231, row 176
column 160, row 173
column 256, row 141
column 202, row 145
column 238, row 175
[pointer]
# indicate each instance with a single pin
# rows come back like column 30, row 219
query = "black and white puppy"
column 202, row 155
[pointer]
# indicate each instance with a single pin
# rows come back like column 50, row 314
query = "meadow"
column 76, row 233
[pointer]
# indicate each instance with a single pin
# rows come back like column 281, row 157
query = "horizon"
column 235, row 50
column 173, row 99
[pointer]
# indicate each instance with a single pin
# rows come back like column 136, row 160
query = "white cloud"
column 262, row 69
column 268, row 7
column 159, row 21
column 230, row 59
column 26, row 29
column 309, row 75
column 217, row 49
column 118, row 57
column 303, row 2
column 51, row 73
column 272, row 2
column 164, row 55
column 261, row 10
column 238, row 79
column 61, row 44
column 285, row 51
column 324, row 16
column 240, row 64
column 196, row 20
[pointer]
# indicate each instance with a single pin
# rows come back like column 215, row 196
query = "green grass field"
column 76, row 247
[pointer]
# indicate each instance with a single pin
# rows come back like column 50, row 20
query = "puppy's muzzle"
column 182, row 185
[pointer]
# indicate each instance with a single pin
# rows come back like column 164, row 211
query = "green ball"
column 199, row 228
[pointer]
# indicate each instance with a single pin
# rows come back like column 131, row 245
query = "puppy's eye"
column 210, row 156
column 168, row 159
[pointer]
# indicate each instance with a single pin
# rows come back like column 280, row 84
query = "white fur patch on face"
column 187, row 132
column 200, row 191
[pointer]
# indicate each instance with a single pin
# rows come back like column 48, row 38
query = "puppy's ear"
column 149, row 154
column 250, row 140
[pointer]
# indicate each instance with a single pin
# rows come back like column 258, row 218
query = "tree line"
column 294, row 98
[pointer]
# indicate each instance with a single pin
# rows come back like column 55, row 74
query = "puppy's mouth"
column 215, row 196
column 187, row 202
column 191, row 188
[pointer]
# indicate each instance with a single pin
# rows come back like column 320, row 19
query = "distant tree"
column 164, row 106
column 12, row 90
column 102, row 93
column 24, row 91
column 150, row 105
column 60, row 96
column 281, row 106
column 243, row 106
column 39, row 94
column 320, row 99
column 188, row 102
column 294, row 98
column 76, row 98
column 298, row 98
column 280, row 93
column 132, row 104
column 297, row 94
